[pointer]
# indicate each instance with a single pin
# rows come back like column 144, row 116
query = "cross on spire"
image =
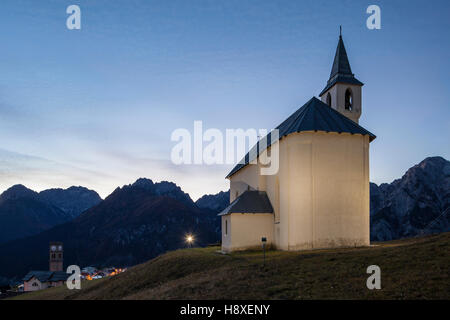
column 341, row 70
column 341, row 65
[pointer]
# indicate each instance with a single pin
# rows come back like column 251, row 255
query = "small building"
column 89, row 270
column 38, row 280
column 319, row 195
column 251, row 208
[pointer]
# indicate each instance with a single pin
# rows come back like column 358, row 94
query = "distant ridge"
column 24, row 212
column 216, row 202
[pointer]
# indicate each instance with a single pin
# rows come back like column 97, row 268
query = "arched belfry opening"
column 348, row 99
column 343, row 91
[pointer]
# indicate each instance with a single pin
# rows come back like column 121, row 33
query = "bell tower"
column 56, row 256
column 343, row 90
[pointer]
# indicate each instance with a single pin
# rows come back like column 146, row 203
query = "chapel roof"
column 249, row 202
column 314, row 115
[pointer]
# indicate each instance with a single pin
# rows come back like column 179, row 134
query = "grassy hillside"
column 410, row 269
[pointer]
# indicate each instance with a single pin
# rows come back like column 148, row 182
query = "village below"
column 56, row 276
column 200, row 274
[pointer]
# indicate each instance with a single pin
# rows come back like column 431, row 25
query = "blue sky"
column 96, row 106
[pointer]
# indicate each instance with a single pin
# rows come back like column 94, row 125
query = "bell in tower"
column 56, row 256
column 343, row 90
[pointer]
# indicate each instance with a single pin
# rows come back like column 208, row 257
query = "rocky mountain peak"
column 163, row 188
column 72, row 201
column 144, row 183
column 216, row 202
column 407, row 206
column 18, row 191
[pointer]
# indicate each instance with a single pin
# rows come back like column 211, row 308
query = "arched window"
column 348, row 99
column 329, row 99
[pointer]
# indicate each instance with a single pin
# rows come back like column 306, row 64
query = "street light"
column 189, row 239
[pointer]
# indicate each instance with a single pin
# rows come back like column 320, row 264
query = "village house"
column 319, row 198
column 38, row 280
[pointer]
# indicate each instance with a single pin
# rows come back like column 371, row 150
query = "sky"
column 97, row 106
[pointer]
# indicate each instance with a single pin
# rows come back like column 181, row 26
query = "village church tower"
column 56, row 257
column 343, row 90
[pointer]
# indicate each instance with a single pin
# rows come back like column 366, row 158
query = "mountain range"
column 144, row 219
column 134, row 223
column 24, row 212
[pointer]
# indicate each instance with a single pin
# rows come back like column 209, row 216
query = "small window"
column 237, row 193
column 329, row 99
column 226, row 227
column 348, row 99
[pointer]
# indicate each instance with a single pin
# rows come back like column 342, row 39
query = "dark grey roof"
column 341, row 65
column 46, row 276
column 341, row 70
column 42, row 276
column 59, row 276
column 312, row 116
column 249, row 202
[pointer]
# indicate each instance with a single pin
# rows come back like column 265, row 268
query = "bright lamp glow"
column 189, row 238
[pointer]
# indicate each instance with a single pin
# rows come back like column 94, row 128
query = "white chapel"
column 319, row 197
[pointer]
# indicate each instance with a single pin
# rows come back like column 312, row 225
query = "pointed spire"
column 341, row 70
column 341, row 65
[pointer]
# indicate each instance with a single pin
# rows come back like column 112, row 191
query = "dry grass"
column 410, row 269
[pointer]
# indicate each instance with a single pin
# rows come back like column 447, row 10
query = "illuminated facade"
column 319, row 198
